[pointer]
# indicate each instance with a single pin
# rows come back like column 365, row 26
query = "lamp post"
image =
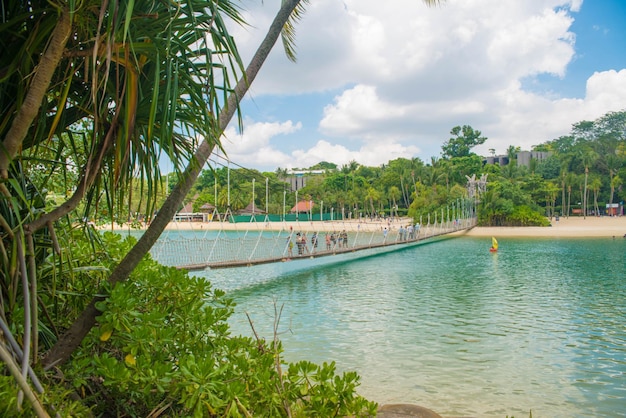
column 228, row 185
column 267, row 212
column 253, row 179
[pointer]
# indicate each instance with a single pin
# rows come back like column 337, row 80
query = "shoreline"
column 589, row 227
column 573, row 227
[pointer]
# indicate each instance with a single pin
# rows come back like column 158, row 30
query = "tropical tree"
column 510, row 170
column 465, row 138
column 595, row 184
column 106, row 89
column 86, row 320
column 551, row 190
column 372, row 196
column 394, row 194
column 588, row 157
column 613, row 164
column 571, row 180
column 563, row 179
column 616, row 182
column 142, row 77
column 281, row 173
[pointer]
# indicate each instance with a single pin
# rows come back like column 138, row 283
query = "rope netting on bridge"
column 225, row 244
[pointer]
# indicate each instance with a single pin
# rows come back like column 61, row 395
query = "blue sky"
column 376, row 83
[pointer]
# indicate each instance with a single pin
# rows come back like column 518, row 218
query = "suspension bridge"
column 223, row 244
column 235, row 241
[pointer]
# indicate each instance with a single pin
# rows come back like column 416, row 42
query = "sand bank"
column 323, row 226
column 565, row 227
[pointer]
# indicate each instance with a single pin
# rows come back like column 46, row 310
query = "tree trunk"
column 37, row 90
column 563, row 198
column 66, row 345
column 569, row 199
column 612, row 184
column 585, row 194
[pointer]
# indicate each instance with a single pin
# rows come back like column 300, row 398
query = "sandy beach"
column 564, row 227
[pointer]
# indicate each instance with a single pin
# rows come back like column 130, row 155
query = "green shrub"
column 163, row 345
column 526, row 216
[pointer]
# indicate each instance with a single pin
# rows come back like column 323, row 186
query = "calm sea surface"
column 540, row 326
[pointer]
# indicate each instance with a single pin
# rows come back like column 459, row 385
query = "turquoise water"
column 538, row 326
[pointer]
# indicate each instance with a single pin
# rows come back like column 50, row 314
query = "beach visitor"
column 289, row 246
column 299, row 243
column 305, row 243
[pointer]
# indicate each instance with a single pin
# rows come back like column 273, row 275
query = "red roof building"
column 304, row 206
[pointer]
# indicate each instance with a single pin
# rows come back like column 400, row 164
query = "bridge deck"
column 251, row 261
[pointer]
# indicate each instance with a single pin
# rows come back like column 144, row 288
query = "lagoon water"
column 539, row 326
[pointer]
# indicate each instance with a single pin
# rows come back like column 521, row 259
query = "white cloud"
column 607, row 90
column 406, row 74
column 357, row 111
column 252, row 147
column 369, row 155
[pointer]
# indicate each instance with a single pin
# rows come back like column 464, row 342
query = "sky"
column 375, row 81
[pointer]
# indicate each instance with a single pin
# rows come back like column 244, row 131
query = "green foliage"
column 163, row 344
column 506, row 204
column 318, row 391
column 55, row 395
column 526, row 216
column 464, row 166
column 465, row 138
column 549, row 168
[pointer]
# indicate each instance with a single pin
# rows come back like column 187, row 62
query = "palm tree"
column 563, row 176
column 394, row 194
column 372, row 196
column 552, row 190
column 345, row 170
column 144, row 81
column 281, row 173
column 613, row 164
column 616, row 182
column 290, row 10
column 587, row 157
column 570, row 181
column 595, row 184
column 120, row 73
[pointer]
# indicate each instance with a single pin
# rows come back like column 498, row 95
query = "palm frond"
column 288, row 34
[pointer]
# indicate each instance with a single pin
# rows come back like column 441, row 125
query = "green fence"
column 290, row 217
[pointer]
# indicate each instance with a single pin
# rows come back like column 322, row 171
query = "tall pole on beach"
column 228, row 183
column 297, row 208
column 266, row 195
column 284, row 198
column 253, row 179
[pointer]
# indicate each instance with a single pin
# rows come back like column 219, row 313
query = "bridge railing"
column 279, row 241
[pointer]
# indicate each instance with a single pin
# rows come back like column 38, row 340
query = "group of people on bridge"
column 333, row 241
